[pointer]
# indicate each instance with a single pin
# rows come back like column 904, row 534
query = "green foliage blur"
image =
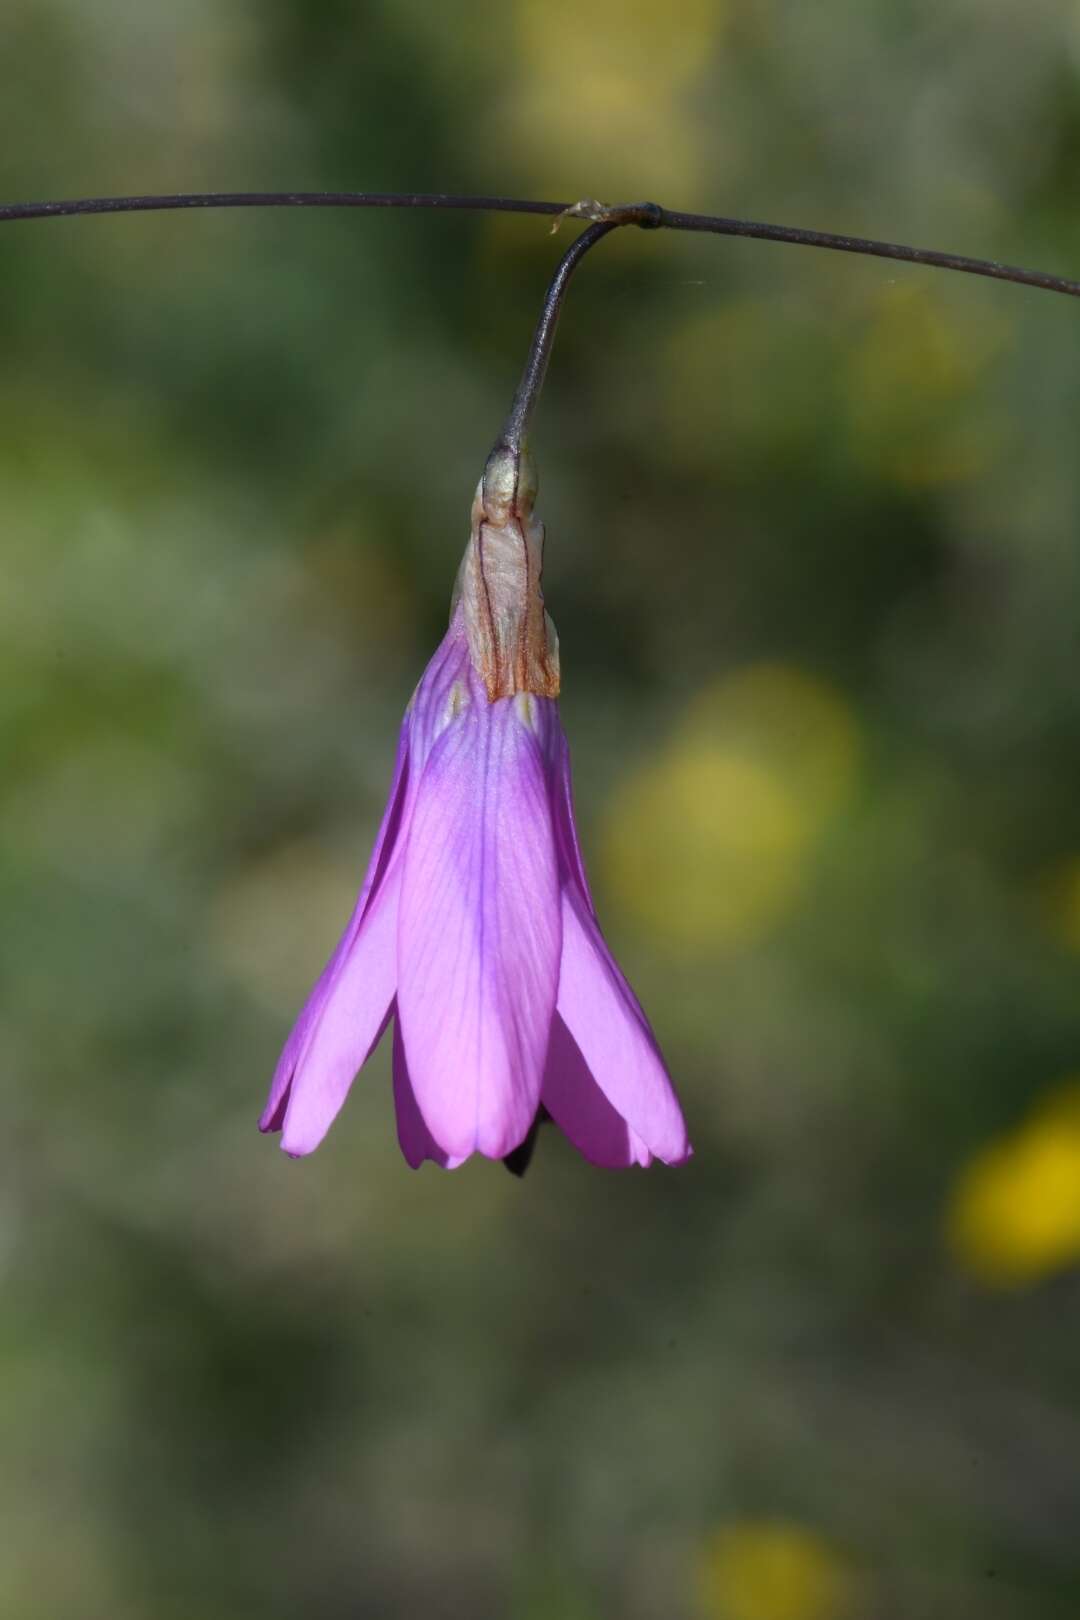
column 813, row 556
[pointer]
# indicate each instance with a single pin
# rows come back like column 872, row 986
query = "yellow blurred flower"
column 771, row 1570
column 665, row 45
column 1014, row 1212
column 794, row 723
column 707, row 844
column 601, row 92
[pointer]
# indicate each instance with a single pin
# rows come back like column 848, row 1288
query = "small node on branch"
column 649, row 215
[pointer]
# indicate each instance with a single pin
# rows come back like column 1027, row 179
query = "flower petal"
column 566, row 834
column 276, row 1103
column 480, row 932
column 605, row 1018
column 416, row 1141
column 444, row 688
column 344, row 1029
column 580, row 1109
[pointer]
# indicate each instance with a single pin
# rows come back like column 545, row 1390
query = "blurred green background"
column 813, row 557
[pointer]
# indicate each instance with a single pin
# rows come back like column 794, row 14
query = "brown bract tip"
column 511, row 639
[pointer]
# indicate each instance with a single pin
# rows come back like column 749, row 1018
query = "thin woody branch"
column 657, row 217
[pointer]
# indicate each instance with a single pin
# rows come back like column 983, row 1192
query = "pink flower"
column 474, row 931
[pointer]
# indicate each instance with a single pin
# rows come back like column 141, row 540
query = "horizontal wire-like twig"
column 656, row 217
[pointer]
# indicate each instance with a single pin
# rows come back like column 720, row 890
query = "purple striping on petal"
column 479, row 930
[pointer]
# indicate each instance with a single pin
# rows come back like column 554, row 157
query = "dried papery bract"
column 512, row 640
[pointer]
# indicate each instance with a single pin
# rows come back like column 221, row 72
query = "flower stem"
column 646, row 215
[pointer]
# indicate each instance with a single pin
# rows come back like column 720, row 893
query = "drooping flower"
column 474, row 931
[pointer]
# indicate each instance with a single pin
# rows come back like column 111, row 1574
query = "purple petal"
column 341, row 1031
column 580, row 1109
column 613, row 1035
column 566, row 834
column 437, row 701
column 480, row 929
column 274, row 1112
column 416, row 1141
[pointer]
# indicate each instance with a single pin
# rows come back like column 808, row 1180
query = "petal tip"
column 298, row 1143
